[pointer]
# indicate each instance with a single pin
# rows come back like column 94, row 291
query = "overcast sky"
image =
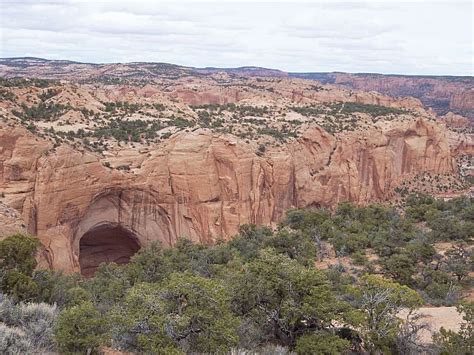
column 406, row 37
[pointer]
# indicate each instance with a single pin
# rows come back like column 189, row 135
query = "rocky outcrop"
column 454, row 121
column 202, row 185
column 204, row 98
column 19, row 154
column 461, row 144
column 10, row 221
column 460, row 140
column 463, row 100
column 437, row 92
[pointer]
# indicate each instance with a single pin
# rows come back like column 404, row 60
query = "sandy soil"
column 435, row 318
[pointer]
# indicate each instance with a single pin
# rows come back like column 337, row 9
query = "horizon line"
column 239, row 67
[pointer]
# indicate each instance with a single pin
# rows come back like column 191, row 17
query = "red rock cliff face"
column 440, row 93
column 463, row 100
column 203, row 186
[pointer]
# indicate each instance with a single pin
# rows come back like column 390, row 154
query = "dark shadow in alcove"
column 106, row 243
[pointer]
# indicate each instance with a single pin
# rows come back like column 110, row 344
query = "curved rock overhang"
column 106, row 243
column 115, row 225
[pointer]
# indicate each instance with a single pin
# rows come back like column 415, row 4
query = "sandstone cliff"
column 441, row 93
column 203, row 185
column 97, row 169
column 463, row 100
column 10, row 221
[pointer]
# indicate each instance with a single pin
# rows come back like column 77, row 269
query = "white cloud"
column 412, row 37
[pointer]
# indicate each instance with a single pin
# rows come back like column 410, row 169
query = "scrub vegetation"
column 264, row 291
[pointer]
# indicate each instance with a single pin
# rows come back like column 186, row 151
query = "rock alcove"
column 115, row 225
column 106, row 242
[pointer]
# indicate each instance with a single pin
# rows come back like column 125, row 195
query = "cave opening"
column 103, row 244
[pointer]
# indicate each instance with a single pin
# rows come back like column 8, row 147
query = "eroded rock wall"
column 203, row 186
column 463, row 100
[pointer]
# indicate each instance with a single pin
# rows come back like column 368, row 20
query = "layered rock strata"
column 202, row 185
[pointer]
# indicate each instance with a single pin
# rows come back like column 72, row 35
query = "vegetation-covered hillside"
column 323, row 282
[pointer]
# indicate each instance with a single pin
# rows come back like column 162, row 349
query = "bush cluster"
column 259, row 290
column 405, row 252
column 22, row 83
column 26, row 328
column 41, row 112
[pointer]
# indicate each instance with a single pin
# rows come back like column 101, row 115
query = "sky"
column 397, row 37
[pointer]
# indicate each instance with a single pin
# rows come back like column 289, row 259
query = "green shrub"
column 80, row 328
column 285, row 297
column 321, row 343
column 18, row 252
column 185, row 312
column 19, row 286
column 381, row 300
column 17, row 261
column 55, row 288
column 42, row 112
